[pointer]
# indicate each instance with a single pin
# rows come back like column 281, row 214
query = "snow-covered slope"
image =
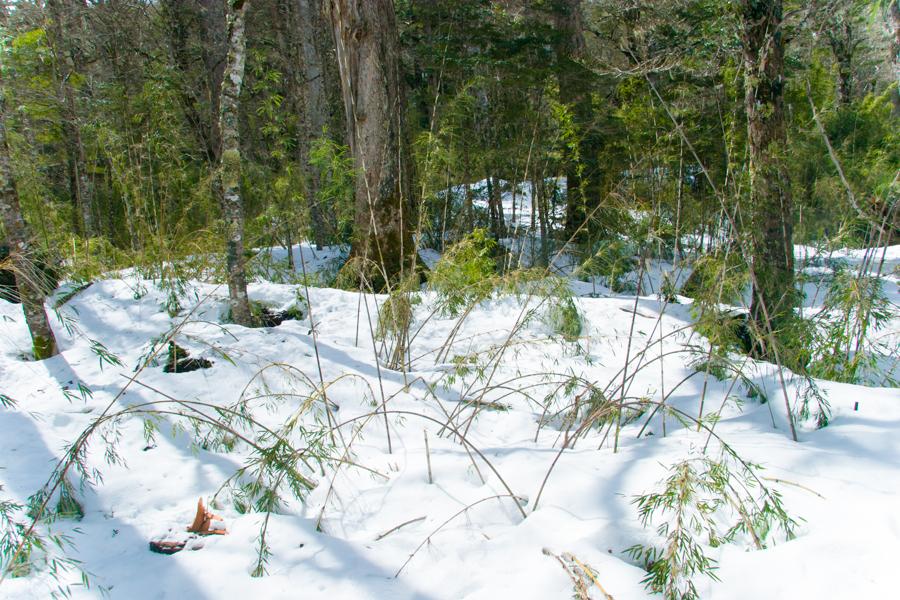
column 376, row 507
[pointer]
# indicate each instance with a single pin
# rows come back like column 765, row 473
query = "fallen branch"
column 401, row 525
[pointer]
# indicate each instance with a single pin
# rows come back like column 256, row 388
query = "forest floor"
column 375, row 510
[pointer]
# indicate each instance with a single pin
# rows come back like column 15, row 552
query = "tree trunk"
column 310, row 28
column 540, row 195
column 774, row 296
column 894, row 16
column 367, row 44
column 495, row 207
column 67, row 53
column 228, row 180
column 30, row 280
column 843, row 46
column 581, row 156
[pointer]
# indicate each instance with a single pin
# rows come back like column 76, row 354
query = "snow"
column 519, row 206
column 843, row 479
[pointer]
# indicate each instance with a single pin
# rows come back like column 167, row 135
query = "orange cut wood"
column 203, row 522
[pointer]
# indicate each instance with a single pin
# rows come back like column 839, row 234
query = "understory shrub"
column 465, row 274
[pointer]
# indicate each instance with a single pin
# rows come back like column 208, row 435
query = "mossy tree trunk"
column 771, row 227
column 30, row 280
column 228, row 174
column 843, row 42
column 367, row 44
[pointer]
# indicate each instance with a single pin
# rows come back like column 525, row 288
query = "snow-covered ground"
column 516, row 200
column 371, row 508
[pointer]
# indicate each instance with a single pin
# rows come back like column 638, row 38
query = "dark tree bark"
column 582, row 162
column 843, row 44
column 366, row 39
column 495, row 207
column 770, row 194
column 30, row 280
column 228, row 175
column 64, row 37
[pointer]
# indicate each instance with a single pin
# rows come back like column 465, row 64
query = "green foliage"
column 336, row 173
column 557, row 307
column 722, row 367
column 396, row 314
column 719, row 278
column 28, row 546
column 565, row 318
column 395, row 317
column 466, row 273
column 672, row 567
column 846, row 347
column 104, row 355
column 67, row 505
column 92, row 259
column 13, row 535
column 613, row 261
column 299, row 309
column 354, row 274
column 703, row 504
column 668, row 291
column 795, row 336
column 725, row 330
column 867, row 145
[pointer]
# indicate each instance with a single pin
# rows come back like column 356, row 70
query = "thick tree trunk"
column 228, row 180
column 770, row 194
column 66, row 53
column 30, row 281
column 365, row 33
column 582, row 162
column 310, row 29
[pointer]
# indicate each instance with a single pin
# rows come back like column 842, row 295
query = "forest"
column 439, row 299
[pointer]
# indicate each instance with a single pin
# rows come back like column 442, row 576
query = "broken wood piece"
column 404, row 524
column 206, row 523
column 180, row 361
column 579, row 573
column 166, row 546
column 636, row 312
column 175, row 541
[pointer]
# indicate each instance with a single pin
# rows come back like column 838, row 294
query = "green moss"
column 42, row 347
column 231, row 168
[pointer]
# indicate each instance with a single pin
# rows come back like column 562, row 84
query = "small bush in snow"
column 612, row 261
column 703, row 504
column 465, row 274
